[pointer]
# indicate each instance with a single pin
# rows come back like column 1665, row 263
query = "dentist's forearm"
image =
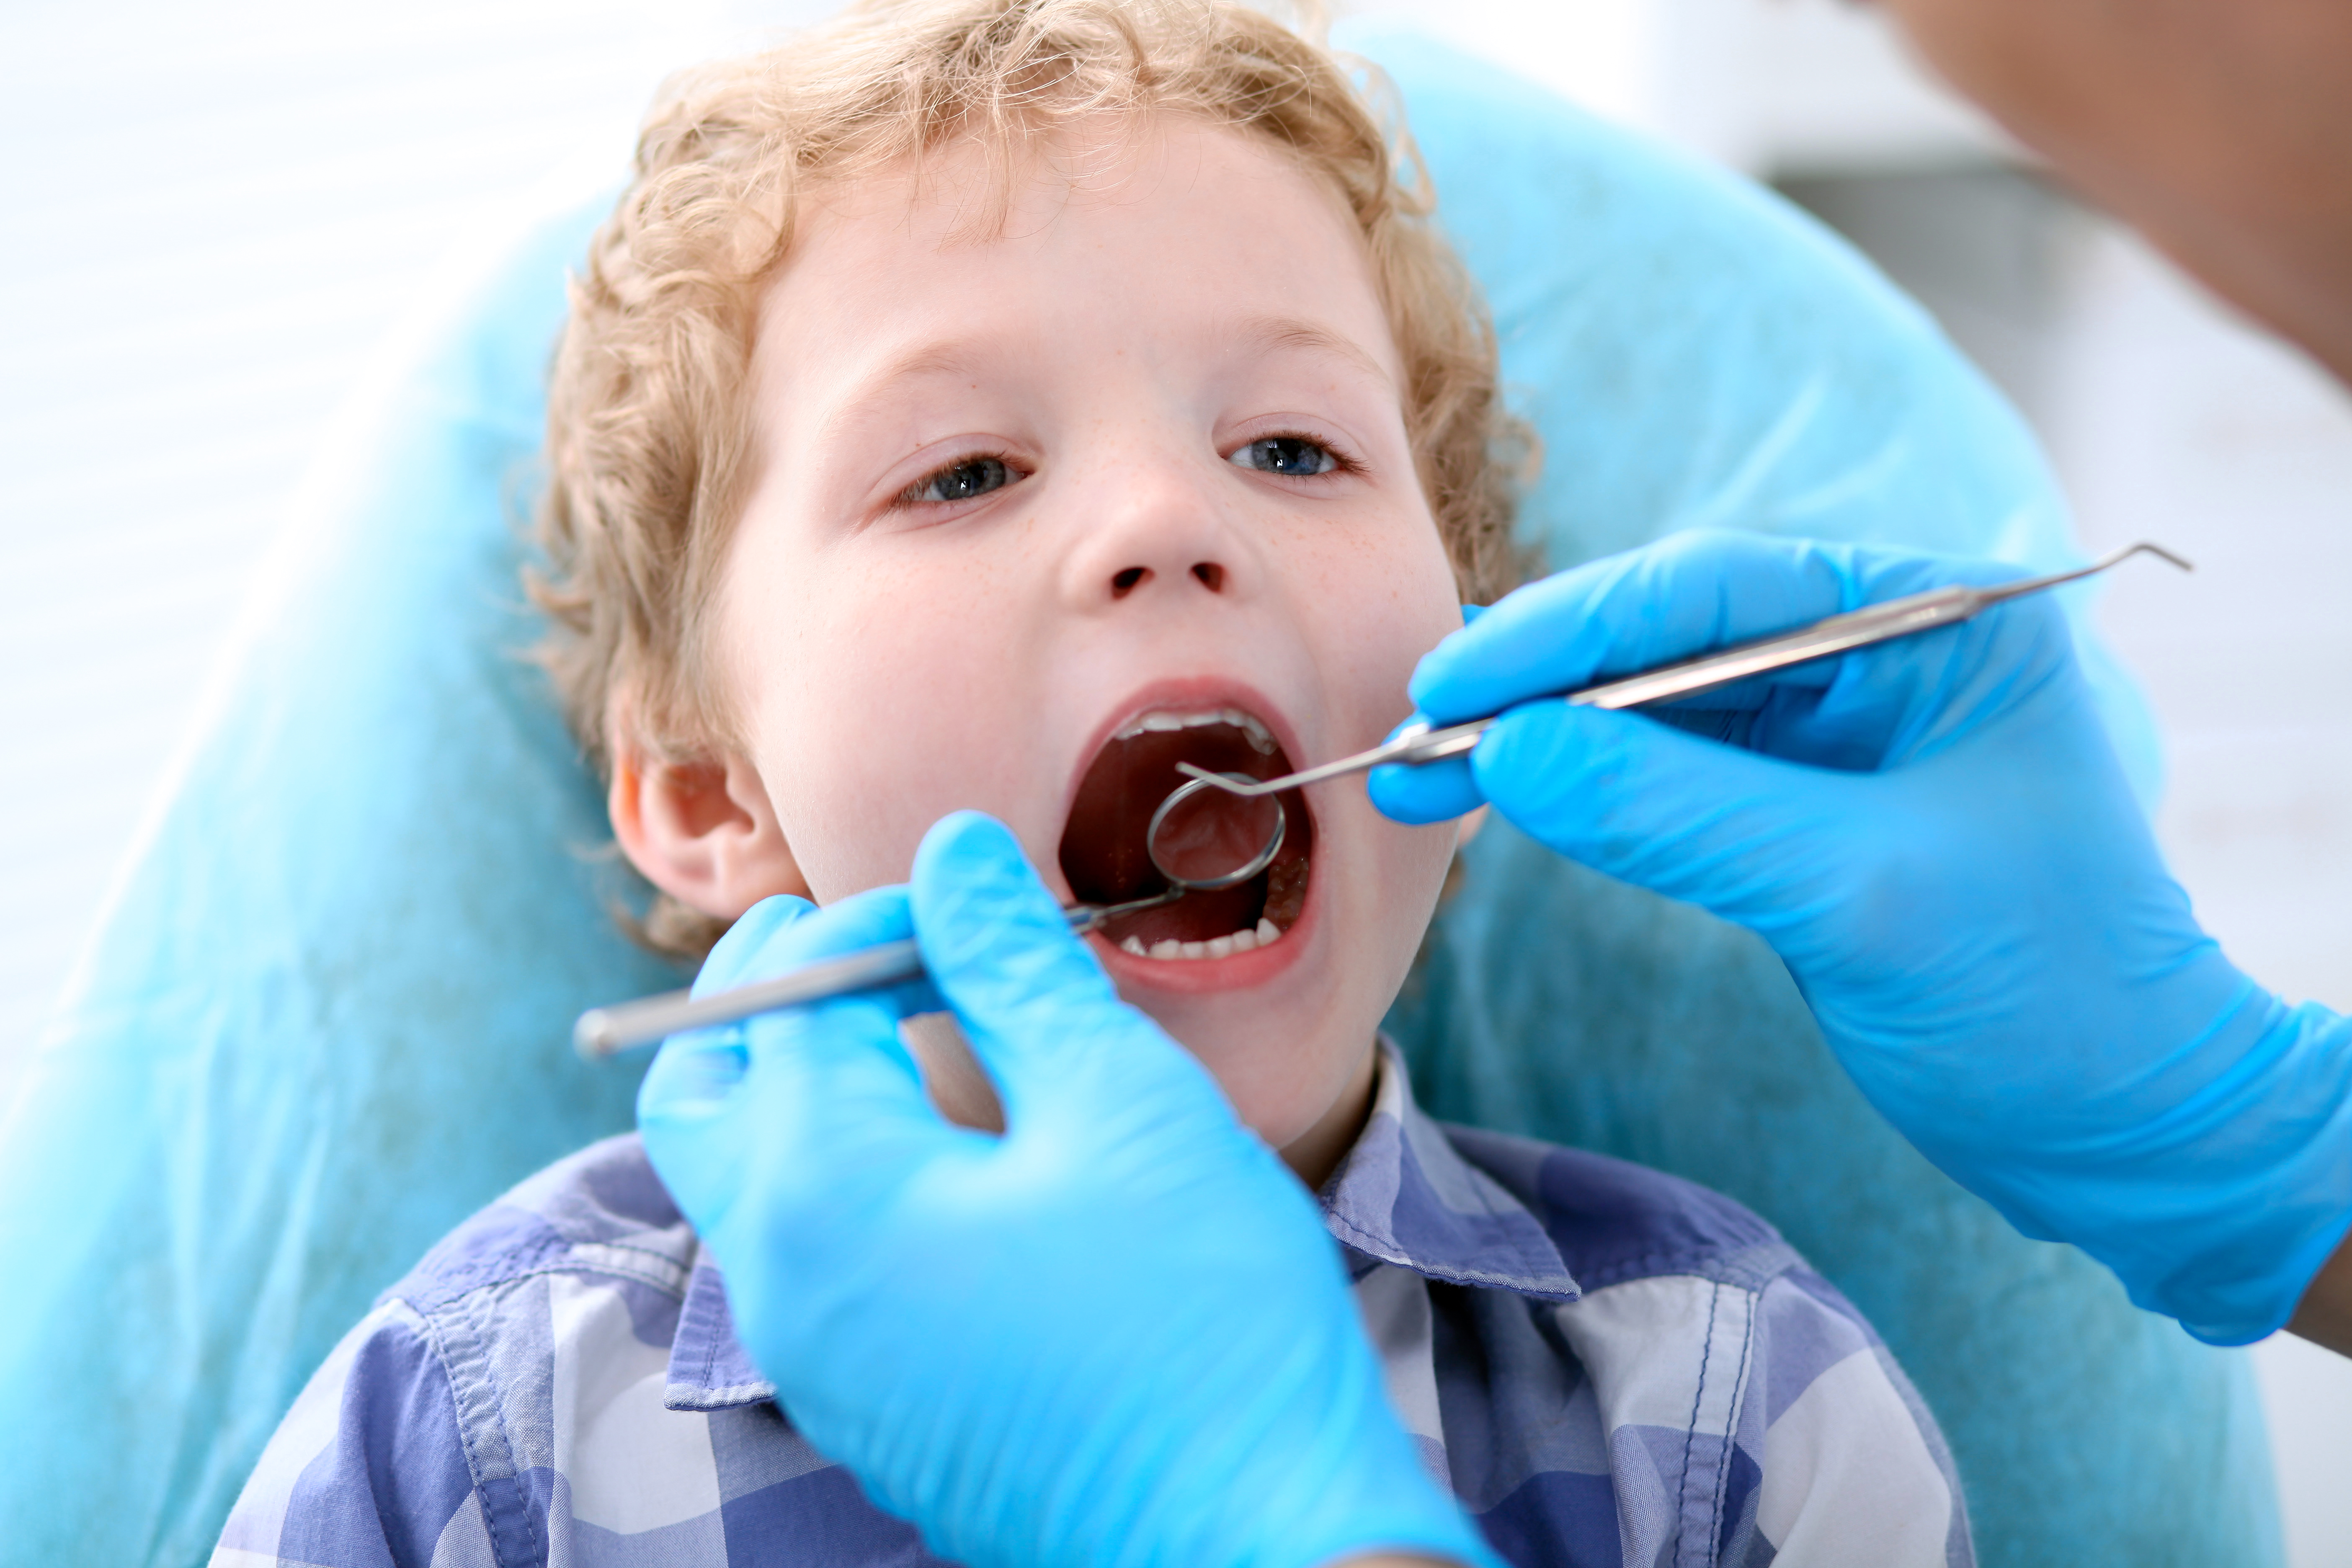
column 2324, row 1315
column 2239, row 1205
column 2325, row 1312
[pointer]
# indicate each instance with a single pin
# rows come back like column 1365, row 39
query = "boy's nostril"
column 1124, row 583
column 1212, row 575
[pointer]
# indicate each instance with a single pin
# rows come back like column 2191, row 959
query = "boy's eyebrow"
column 953, row 358
column 1260, row 333
column 1290, row 332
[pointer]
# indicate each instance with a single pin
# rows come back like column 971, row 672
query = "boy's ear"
column 701, row 831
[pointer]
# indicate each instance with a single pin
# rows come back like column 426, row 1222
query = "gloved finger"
column 837, row 1069
column 1682, row 596
column 742, row 955
column 839, row 1103
column 866, row 920
column 1422, row 793
column 694, row 1074
column 1040, row 1013
column 812, row 1149
column 1750, row 837
column 828, row 1105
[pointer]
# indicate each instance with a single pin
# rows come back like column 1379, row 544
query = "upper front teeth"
column 1261, row 739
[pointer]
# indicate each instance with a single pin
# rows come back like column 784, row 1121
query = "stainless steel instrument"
column 1907, row 617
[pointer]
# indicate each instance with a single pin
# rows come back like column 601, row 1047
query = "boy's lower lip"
column 1201, row 976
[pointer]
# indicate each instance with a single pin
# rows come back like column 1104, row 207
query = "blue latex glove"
column 1935, row 837
column 1116, row 1334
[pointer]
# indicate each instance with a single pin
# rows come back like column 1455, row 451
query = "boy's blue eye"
column 961, row 480
column 1292, row 455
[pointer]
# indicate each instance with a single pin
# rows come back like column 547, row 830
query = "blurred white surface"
column 218, row 210
column 2308, row 1393
column 2171, row 420
column 1767, row 85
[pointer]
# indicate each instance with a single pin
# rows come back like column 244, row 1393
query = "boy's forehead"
column 1095, row 244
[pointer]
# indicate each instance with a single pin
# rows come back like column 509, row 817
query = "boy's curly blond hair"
column 649, row 433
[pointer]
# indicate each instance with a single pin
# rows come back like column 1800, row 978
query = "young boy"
column 991, row 404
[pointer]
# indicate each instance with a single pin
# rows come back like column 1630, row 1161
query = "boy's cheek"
column 1376, row 612
column 858, row 824
column 861, row 775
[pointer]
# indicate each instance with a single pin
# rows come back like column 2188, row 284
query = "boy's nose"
column 1156, row 535
column 1127, row 579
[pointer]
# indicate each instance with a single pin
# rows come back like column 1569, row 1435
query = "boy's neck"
column 1317, row 1152
column 959, row 1089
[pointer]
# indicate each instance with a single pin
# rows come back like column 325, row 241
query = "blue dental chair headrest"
column 326, row 1015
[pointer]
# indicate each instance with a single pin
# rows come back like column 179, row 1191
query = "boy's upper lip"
column 1182, row 694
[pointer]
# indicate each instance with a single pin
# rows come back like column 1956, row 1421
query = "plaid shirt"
column 1607, row 1365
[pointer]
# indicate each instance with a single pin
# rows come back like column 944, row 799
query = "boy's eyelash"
column 912, row 495
column 1342, row 462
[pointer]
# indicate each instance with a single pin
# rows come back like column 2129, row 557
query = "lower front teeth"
column 1219, row 947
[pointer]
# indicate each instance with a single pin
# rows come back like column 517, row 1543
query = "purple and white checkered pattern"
column 1607, row 1365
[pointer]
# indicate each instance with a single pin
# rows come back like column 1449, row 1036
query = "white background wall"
column 214, row 214
column 216, row 211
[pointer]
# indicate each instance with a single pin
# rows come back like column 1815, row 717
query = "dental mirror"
column 1204, row 837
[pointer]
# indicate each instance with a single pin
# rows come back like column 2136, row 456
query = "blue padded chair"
column 325, row 1018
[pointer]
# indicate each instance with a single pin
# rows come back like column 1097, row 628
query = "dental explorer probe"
column 1883, row 622
column 602, row 1031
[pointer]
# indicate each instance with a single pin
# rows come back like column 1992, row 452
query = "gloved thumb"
column 1741, row 835
column 1418, row 793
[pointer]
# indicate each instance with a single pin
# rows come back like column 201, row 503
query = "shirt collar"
column 1402, row 1195
column 709, row 1367
column 1405, row 1195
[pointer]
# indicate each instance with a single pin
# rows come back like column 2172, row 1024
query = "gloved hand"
column 1119, row 1334
column 1936, row 838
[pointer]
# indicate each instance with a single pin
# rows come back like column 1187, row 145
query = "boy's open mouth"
column 1105, row 858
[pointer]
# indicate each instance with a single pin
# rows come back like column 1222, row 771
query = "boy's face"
column 1042, row 510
